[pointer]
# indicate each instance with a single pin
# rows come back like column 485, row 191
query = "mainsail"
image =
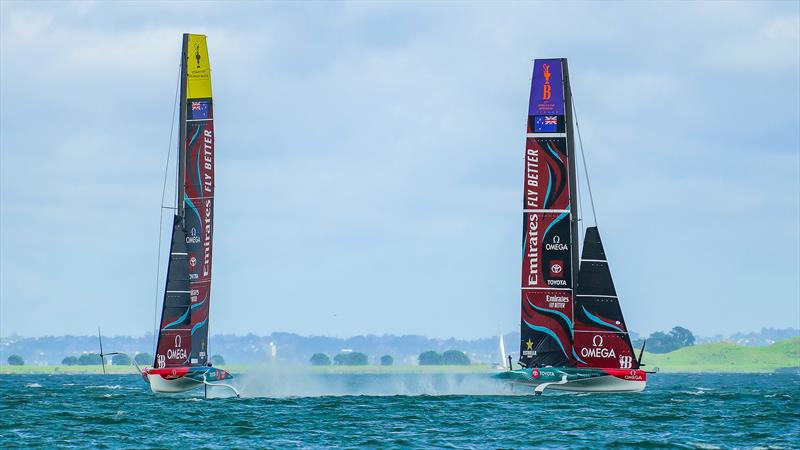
column 548, row 225
column 183, row 334
column 569, row 317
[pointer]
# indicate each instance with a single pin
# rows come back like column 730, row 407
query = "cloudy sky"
column 370, row 161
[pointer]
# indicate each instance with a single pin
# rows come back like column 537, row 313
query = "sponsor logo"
column 625, row 361
column 634, row 376
column 546, row 90
column 529, row 351
column 556, row 301
column 557, row 268
column 178, row 352
column 193, row 238
column 162, row 361
column 207, row 241
column 533, row 244
column 532, row 177
column 598, row 350
column 547, row 373
column 556, row 244
column 534, row 373
column 208, row 160
column 192, row 260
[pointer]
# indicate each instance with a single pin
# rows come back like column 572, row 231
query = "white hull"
column 601, row 384
column 162, row 385
column 577, row 380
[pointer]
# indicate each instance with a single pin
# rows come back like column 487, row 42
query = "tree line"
column 427, row 358
column 661, row 342
column 94, row 359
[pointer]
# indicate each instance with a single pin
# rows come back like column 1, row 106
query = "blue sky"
column 370, row 161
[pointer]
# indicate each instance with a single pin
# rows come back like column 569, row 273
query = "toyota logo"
column 556, row 268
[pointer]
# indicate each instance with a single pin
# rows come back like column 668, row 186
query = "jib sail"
column 601, row 337
column 183, row 335
column 549, row 228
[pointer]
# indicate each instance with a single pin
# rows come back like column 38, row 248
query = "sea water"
column 399, row 410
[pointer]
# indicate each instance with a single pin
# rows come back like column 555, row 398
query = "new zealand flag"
column 198, row 109
column 545, row 124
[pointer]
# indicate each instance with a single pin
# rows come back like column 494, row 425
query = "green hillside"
column 724, row 357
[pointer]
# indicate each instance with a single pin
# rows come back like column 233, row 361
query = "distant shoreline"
column 707, row 358
column 238, row 369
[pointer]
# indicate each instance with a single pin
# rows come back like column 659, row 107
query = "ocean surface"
column 296, row 410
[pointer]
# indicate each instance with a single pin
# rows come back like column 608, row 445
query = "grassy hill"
column 724, row 357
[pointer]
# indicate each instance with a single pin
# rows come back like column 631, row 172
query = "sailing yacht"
column 573, row 334
column 181, row 360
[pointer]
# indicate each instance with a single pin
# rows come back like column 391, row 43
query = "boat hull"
column 578, row 380
column 182, row 379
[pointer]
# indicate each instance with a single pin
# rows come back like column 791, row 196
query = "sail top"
column 547, row 88
column 592, row 247
column 198, row 67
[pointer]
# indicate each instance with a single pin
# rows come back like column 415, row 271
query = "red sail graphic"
column 199, row 222
column 546, row 185
column 547, row 240
column 605, row 350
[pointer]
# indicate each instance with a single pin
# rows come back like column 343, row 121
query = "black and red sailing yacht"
column 182, row 360
column 573, row 334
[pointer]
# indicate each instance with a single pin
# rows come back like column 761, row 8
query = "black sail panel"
column 601, row 336
column 174, row 337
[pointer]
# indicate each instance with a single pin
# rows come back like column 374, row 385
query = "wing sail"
column 183, row 335
column 547, row 255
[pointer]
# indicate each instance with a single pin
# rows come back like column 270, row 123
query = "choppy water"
column 454, row 411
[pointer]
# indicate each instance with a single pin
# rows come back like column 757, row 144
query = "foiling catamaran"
column 573, row 335
column 181, row 359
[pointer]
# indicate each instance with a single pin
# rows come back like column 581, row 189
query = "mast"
column 182, row 131
column 573, row 178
